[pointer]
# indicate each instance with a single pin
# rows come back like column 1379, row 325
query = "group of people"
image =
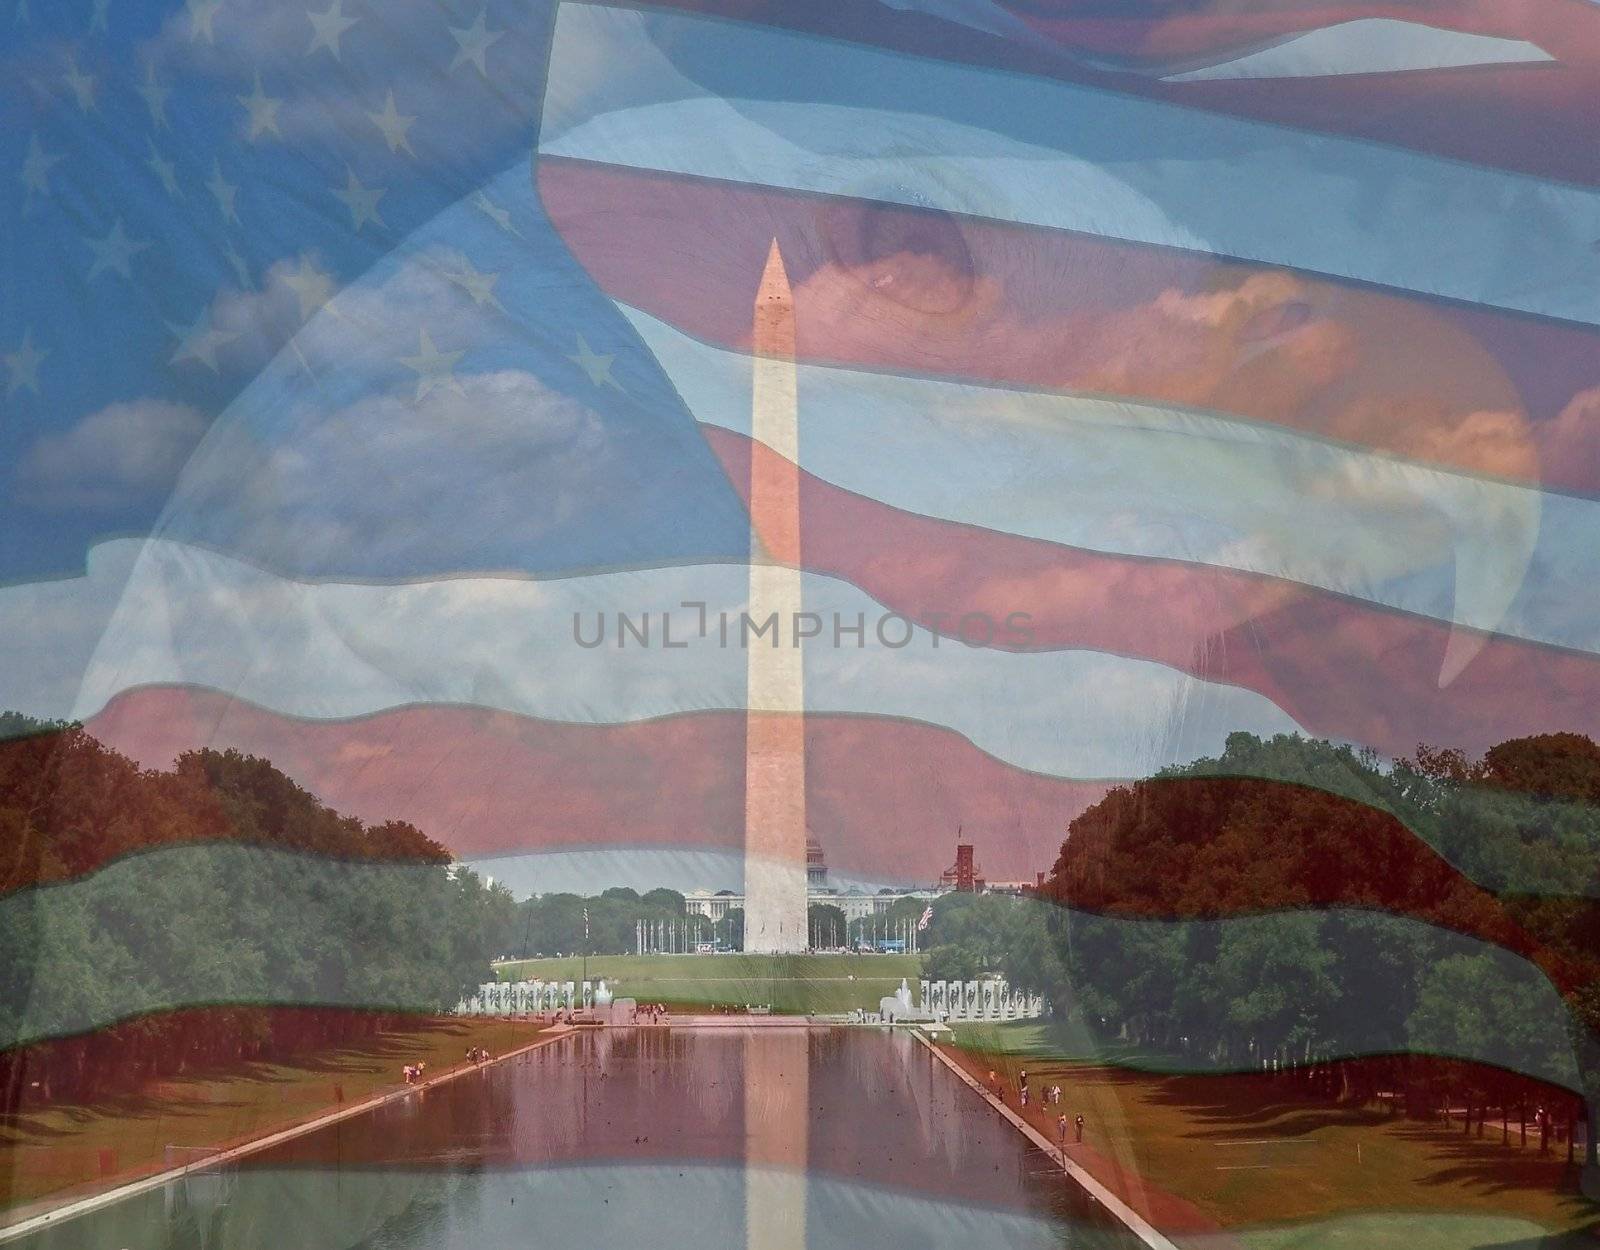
column 650, row 1013
column 413, row 1072
column 477, row 1054
column 1052, row 1094
column 1051, row 1098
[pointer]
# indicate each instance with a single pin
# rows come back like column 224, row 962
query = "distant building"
column 963, row 875
column 816, row 866
column 857, row 904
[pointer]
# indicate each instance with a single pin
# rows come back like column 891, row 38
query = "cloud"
column 490, row 465
column 333, row 450
column 330, row 100
column 125, row 454
column 1358, row 366
column 1570, row 444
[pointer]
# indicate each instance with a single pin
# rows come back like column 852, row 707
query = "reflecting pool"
column 767, row 1138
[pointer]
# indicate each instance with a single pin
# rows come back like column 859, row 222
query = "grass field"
column 56, row 1148
column 793, row 984
column 1277, row 1168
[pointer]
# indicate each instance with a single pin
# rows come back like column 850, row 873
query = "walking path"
column 1114, row 1206
column 34, row 1218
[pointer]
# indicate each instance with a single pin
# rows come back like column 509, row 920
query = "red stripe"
column 885, row 797
column 893, row 288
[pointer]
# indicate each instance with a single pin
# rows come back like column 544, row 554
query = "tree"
column 664, row 900
column 826, row 925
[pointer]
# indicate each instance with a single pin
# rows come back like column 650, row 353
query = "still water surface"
column 769, row 1139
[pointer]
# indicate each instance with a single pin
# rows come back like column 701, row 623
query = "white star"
column 165, row 170
column 223, row 191
column 200, row 341
column 394, row 126
column 480, row 286
column 495, row 213
column 434, row 369
column 473, row 43
column 201, row 14
column 114, row 252
column 155, row 96
column 597, row 367
column 82, row 84
column 23, row 365
column 263, row 110
column 23, row 16
column 311, row 287
column 361, row 201
column 36, row 168
column 97, row 19
column 326, row 28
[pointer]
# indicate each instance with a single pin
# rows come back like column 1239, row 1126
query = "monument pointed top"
column 774, row 279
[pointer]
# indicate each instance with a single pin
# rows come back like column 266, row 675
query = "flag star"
column 115, row 251
column 480, row 286
column 82, row 85
column 473, row 43
column 97, row 19
column 394, row 126
column 263, row 110
column 597, row 367
column 164, row 170
column 200, row 341
column 311, row 287
column 22, row 365
column 155, row 97
column 36, row 168
column 326, row 28
column 434, row 369
column 201, row 15
column 223, row 191
column 361, row 201
column 501, row 217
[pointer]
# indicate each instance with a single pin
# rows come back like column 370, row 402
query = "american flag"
column 1164, row 371
column 925, row 919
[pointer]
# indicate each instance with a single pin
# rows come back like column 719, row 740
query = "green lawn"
column 1279, row 1168
column 54, row 1149
column 793, row 984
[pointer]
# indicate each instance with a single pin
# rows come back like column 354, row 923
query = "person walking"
column 1078, row 1125
column 1061, row 1135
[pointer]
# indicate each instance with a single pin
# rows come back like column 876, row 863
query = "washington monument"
column 775, row 746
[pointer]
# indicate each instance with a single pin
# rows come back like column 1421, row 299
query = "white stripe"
column 884, row 126
column 342, row 650
column 1372, row 45
column 1143, row 480
column 1362, row 46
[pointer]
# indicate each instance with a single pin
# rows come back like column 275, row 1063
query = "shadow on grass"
column 176, row 1097
column 1256, row 1110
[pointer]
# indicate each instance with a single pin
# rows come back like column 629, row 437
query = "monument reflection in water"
column 774, row 1137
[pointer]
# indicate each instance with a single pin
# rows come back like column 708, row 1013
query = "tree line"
column 129, row 895
column 1374, row 929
